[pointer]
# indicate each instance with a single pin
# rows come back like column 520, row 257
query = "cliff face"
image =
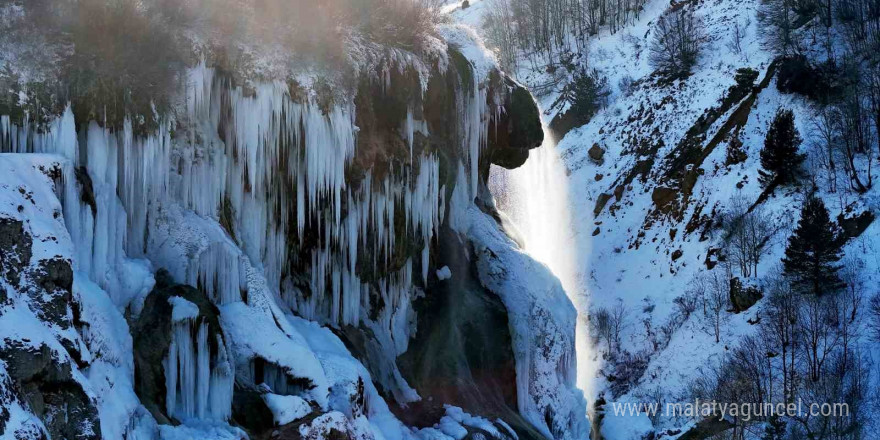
column 284, row 258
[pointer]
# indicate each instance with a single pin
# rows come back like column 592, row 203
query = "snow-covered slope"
column 650, row 178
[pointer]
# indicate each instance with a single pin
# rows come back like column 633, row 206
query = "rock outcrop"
column 274, row 249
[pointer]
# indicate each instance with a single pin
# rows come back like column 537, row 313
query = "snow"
column 542, row 325
column 286, row 409
column 105, row 339
column 112, row 372
column 182, row 309
column 253, row 333
column 466, row 419
column 201, row 430
column 465, row 39
column 343, row 373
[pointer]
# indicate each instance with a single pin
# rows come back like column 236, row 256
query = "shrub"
column 626, row 85
column 745, row 77
column 677, row 42
column 797, row 75
column 118, row 58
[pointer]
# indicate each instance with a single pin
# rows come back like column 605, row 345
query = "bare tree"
column 746, row 232
column 677, row 42
column 715, row 291
column 780, row 325
column 855, row 133
column 874, row 316
column 738, row 34
column 619, row 321
column 818, row 323
column 825, row 128
column 498, row 23
column 609, row 323
column 778, row 18
column 600, row 323
column 848, row 304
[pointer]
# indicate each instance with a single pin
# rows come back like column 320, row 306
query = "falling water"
column 535, row 196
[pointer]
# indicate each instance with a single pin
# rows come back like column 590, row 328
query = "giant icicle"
column 198, row 386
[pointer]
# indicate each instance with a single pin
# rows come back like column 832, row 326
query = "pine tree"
column 814, row 250
column 588, row 92
column 780, row 155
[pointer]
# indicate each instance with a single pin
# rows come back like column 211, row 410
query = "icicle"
column 195, row 390
column 268, row 168
column 218, row 271
column 222, row 380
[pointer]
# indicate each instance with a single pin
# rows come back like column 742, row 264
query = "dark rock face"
column 15, row 251
column 854, row 226
column 601, row 201
column 662, row 197
column 48, row 387
column 38, row 377
column 250, row 410
column 461, row 354
column 564, row 122
column 55, row 276
column 517, row 130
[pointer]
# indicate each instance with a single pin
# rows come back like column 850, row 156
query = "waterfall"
column 535, row 197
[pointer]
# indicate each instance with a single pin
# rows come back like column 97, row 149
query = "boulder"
column 250, row 410
column 596, row 153
column 152, row 336
column 662, row 196
column 600, row 203
column 742, row 297
column 854, row 226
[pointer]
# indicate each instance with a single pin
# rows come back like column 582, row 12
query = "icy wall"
column 287, row 209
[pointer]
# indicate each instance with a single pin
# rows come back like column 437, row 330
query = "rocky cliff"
column 310, row 257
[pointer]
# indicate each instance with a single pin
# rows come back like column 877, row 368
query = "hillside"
column 657, row 177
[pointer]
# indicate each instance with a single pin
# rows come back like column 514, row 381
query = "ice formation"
column 225, row 197
column 198, row 385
